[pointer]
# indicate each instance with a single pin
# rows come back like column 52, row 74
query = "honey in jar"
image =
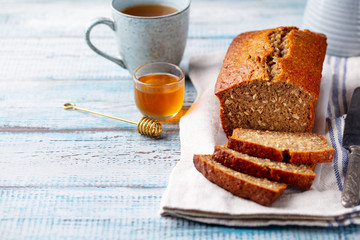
column 159, row 95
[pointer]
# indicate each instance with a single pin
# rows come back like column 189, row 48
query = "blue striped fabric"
column 336, row 114
column 342, row 86
column 336, row 127
column 338, row 103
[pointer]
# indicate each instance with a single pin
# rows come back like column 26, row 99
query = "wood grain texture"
column 73, row 175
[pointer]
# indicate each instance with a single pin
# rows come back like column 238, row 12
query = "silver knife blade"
column 351, row 141
column 352, row 121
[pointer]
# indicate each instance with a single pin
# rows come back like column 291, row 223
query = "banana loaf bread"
column 270, row 80
column 306, row 148
column 299, row 175
column 260, row 190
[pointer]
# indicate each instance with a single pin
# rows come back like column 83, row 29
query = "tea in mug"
column 159, row 95
column 149, row 10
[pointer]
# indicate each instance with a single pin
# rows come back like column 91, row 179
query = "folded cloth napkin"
column 191, row 196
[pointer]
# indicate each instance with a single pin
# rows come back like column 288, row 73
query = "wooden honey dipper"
column 145, row 126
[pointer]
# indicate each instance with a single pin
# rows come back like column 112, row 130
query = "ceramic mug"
column 339, row 21
column 143, row 39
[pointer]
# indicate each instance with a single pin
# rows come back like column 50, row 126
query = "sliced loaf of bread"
column 260, row 190
column 299, row 175
column 305, row 148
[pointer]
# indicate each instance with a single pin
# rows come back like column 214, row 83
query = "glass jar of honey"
column 159, row 89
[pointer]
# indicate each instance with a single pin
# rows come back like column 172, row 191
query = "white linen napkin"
column 191, row 196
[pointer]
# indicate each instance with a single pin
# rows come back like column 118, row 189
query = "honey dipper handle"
column 69, row 106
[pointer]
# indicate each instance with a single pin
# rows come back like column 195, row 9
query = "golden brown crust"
column 237, row 67
column 255, row 150
column 292, row 174
column 228, row 180
column 312, row 157
column 301, row 66
column 260, row 150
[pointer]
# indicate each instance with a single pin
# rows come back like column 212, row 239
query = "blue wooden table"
column 72, row 175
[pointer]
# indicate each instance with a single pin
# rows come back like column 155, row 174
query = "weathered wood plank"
column 54, row 41
column 64, row 58
column 122, row 213
column 87, row 159
column 41, row 108
column 208, row 18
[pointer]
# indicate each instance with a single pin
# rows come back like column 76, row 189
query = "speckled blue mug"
column 142, row 40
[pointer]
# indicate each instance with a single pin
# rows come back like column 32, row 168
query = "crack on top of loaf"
column 278, row 40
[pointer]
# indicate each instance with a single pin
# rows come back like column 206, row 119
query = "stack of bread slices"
column 259, row 165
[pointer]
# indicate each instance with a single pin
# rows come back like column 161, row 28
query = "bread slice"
column 306, row 148
column 299, row 175
column 260, row 190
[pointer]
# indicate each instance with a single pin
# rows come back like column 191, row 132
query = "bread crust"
column 237, row 67
column 285, row 173
column 239, row 187
column 302, row 65
column 281, row 154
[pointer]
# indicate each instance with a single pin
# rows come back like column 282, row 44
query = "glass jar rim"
column 181, row 78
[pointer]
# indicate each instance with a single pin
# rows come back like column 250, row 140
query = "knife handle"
column 350, row 194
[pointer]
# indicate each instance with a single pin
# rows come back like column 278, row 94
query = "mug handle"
column 91, row 25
